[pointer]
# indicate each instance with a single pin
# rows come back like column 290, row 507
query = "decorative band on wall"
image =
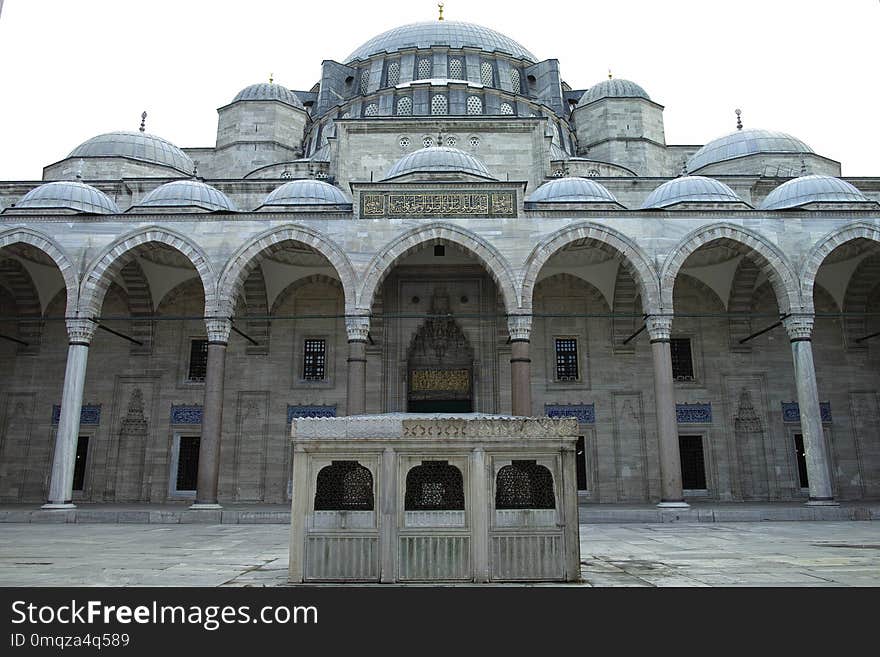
column 693, row 413
column 310, row 411
column 191, row 414
column 791, row 412
column 426, row 204
column 585, row 413
column 90, row 414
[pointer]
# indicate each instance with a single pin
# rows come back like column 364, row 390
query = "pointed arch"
column 767, row 256
column 52, row 249
column 382, row 264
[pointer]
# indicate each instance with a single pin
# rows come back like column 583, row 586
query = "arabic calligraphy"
column 428, row 204
column 451, row 380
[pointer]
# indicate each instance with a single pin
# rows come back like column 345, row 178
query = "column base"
column 822, row 501
column 58, row 506
column 205, row 506
column 673, row 505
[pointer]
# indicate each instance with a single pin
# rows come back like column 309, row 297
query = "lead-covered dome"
column 438, row 159
column 812, row 189
column 690, row 189
column 68, row 195
column 136, row 146
column 187, row 194
column 572, row 190
column 306, row 192
column 745, row 142
column 452, row 34
column 612, row 88
column 269, row 91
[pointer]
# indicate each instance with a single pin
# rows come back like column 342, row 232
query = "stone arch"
column 51, row 248
column 114, row 257
column 858, row 292
column 593, row 294
column 768, row 257
column 633, row 258
column 824, row 248
column 246, row 258
column 140, row 305
column 299, row 283
column 389, row 255
column 27, row 301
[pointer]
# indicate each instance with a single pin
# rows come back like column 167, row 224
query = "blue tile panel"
column 791, row 412
column 310, row 411
column 693, row 413
column 585, row 413
column 90, row 414
column 186, row 414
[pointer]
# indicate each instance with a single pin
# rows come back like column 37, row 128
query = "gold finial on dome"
column 440, row 7
column 609, row 74
column 271, row 78
column 739, row 123
column 143, row 121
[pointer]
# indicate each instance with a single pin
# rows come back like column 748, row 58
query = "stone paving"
column 669, row 554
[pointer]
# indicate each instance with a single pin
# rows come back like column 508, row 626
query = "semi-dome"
column 306, row 192
column 136, row 146
column 269, row 91
column 745, row 142
column 812, row 189
column 187, row 194
column 452, row 34
column 68, row 195
column 612, row 88
column 690, row 189
column 438, row 159
column 572, row 190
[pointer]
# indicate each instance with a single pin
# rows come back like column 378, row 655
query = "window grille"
column 682, row 359
column 506, row 108
column 693, row 465
column 434, row 486
column 392, row 77
column 474, row 142
column 404, row 106
column 524, row 485
column 344, row 486
column 474, row 105
column 486, row 73
column 593, row 173
column 451, row 141
column 79, row 468
column 371, row 110
column 365, row 81
column 515, row 81
column 428, row 142
column 404, row 143
column 439, row 104
column 198, row 360
column 566, row 359
column 314, row 358
column 456, row 69
column 188, row 463
column 425, row 68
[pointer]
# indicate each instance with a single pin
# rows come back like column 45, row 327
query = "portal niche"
column 440, row 364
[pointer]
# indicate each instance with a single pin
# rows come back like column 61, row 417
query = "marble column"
column 671, row 495
column 479, row 500
column 357, row 327
column 800, row 331
column 212, row 415
column 79, row 333
column 520, row 328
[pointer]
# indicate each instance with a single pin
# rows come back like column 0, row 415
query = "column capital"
column 659, row 327
column 80, row 331
column 519, row 327
column 799, row 326
column 357, row 327
column 218, row 329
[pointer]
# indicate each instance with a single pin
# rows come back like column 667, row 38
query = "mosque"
column 440, row 224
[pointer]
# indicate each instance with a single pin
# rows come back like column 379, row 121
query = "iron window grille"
column 434, row 486
column 344, row 486
column 682, row 359
column 566, row 359
column 524, row 485
column 486, row 73
column 404, row 106
column 314, row 359
column 198, row 360
column 392, row 77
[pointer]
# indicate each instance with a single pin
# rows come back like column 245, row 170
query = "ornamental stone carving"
column 81, row 330
column 799, row 326
column 519, row 326
column 218, row 329
column 659, row 326
column 357, row 327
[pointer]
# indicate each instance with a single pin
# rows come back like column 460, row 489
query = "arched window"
column 506, row 108
column 439, row 104
column 344, row 486
column 515, row 81
column 404, row 106
column 392, row 76
column 474, row 105
column 365, row 81
column 456, row 69
column 434, row 486
column 524, row 485
column 486, row 73
column 425, row 68
column 372, row 110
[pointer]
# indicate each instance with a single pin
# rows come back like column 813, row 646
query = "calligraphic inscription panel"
column 446, row 380
column 438, row 204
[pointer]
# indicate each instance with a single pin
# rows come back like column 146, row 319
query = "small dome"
column 137, row 146
column 269, row 91
column 306, row 192
column 187, row 194
column 745, row 142
column 68, row 195
column 438, row 159
column 690, row 189
column 612, row 88
column 812, row 189
column 572, row 190
column 452, row 34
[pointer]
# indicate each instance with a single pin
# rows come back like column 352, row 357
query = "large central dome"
column 453, row 34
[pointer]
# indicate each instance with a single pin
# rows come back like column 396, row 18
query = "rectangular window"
column 581, row 463
column 682, row 360
column 79, row 468
column 801, row 455
column 198, row 360
column 693, row 465
column 566, row 359
column 314, row 358
column 187, row 464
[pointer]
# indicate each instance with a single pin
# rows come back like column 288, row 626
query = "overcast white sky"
column 70, row 70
